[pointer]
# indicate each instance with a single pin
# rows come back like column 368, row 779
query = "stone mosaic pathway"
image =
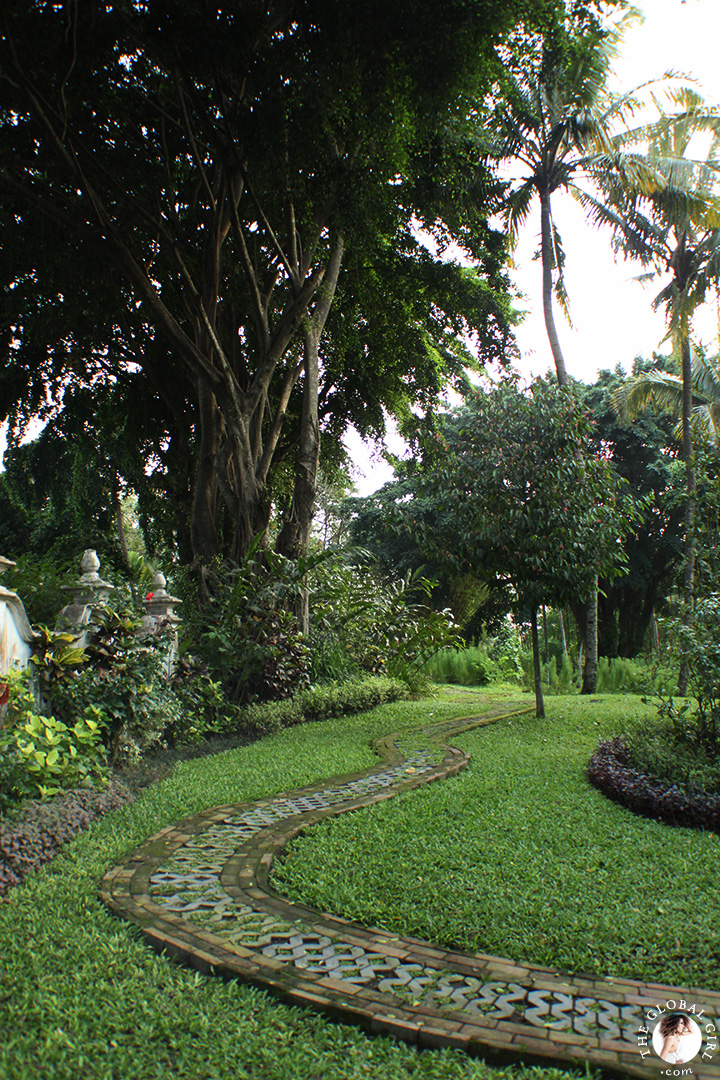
column 200, row 891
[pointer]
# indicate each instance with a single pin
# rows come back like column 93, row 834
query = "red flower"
column 4, row 693
column 149, row 597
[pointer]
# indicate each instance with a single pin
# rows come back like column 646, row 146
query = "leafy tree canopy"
column 520, row 493
column 512, row 488
column 645, row 453
column 186, row 189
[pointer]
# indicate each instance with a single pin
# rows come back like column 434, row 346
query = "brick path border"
column 551, row 993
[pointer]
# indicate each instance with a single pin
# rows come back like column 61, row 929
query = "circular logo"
column 676, row 1038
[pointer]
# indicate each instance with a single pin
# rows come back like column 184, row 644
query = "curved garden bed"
column 610, row 770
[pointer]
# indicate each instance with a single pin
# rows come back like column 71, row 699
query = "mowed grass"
column 83, row 998
column 520, row 857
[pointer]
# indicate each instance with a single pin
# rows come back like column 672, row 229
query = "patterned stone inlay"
column 188, row 884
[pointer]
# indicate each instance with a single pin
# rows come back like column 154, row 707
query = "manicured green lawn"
column 520, row 857
column 82, row 997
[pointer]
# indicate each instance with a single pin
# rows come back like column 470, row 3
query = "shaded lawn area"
column 520, row 857
column 83, row 998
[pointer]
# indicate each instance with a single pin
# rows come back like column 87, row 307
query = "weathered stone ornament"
column 88, row 593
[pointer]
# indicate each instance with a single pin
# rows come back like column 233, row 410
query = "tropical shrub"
column 463, row 667
column 656, row 751
column 363, row 623
column 321, row 702
column 619, row 675
column 127, row 676
column 203, row 709
column 562, row 681
column 39, row 581
column 616, row 675
column 40, row 755
column 680, row 751
column 699, row 646
column 240, row 621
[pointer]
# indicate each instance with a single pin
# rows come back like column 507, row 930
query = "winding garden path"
column 200, row 891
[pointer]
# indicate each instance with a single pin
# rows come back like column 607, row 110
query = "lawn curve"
column 200, row 891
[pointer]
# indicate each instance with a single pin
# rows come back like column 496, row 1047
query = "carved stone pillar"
column 160, row 615
column 88, row 593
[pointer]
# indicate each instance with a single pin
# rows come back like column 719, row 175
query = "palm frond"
column 518, row 206
column 706, row 377
column 705, row 422
column 653, row 390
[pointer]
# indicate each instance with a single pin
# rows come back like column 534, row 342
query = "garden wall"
column 16, row 634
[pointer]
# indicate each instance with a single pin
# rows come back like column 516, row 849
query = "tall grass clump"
column 616, row 675
column 463, row 667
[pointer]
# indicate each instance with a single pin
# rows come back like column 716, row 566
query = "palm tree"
column 557, row 122
column 676, row 229
column 662, row 391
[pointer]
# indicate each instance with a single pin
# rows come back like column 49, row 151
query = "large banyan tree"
column 209, row 216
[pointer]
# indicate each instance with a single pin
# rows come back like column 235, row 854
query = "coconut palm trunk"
column 548, row 263
column 690, row 493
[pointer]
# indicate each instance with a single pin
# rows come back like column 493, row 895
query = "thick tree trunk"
column 589, row 683
column 295, row 535
column 537, row 673
column 691, row 496
column 294, row 538
column 548, row 262
column 634, row 618
column 203, row 529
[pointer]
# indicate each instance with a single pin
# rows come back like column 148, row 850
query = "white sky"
column 612, row 314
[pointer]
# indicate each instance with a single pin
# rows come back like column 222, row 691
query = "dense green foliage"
column 511, row 486
column 246, row 632
column 365, row 621
column 682, row 745
column 511, row 489
column 56, row 495
column 240, row 622
column 478, row 665
column 243, row 668
column 185, row 199
column 645, row 454
column 39, row 754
